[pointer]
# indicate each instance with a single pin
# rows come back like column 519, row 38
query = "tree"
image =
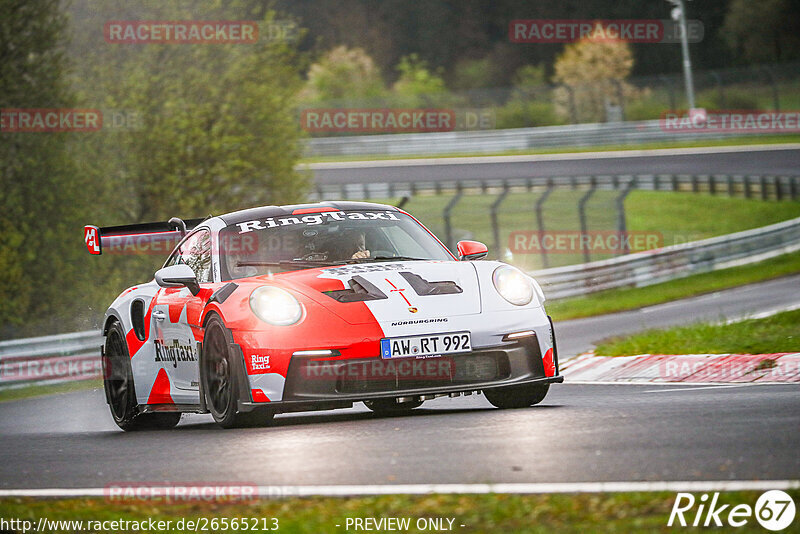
column 767, row 31
column 596, row 72
column 218, row 125
column 41, row 189
column 343, row 74
column 473, row 74
column 417, row 85
column 529, row 104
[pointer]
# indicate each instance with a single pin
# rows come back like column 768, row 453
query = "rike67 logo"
column 774, row 510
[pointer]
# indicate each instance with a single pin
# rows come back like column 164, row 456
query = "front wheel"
column 220, row 381
column 120, row 390
column 517, row 396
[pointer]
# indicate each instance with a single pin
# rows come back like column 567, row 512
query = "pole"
column 687, row 62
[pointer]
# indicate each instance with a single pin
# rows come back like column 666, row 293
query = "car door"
column 176, row 313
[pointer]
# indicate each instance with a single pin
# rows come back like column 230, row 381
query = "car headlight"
column 512, row 285
column 276, row 306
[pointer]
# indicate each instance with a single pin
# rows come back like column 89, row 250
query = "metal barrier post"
column 540, row 219
column 448, row 230
column 493, row 215
column 582, row 216
column 622, row 226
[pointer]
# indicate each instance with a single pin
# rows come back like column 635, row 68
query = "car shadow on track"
column 300, row 419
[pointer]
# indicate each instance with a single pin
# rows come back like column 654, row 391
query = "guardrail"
column 76, row 356
column 764, row 187
column 46, row 359
column 668, row 263
column 493, row 141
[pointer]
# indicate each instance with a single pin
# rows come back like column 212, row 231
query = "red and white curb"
column 685, row 369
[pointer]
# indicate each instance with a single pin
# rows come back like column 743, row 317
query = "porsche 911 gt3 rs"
column 318, row 306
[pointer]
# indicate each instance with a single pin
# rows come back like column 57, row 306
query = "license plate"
column 427, row 345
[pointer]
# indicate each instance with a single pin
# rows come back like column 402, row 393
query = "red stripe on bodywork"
column 258, row 396
column 175, row 311
column 549, row 363
column 301, row 211
column 400, row 291
column 159, row 394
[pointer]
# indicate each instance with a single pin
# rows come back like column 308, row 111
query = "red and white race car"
column 317, row 306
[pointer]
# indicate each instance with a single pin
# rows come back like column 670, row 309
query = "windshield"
column 284, row 243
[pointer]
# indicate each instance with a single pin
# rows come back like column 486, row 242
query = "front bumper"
column 312, row 383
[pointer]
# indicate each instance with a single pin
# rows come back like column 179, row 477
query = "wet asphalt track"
column 580, row 433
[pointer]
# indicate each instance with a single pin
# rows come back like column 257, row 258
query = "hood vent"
column 425, row 288
column 360, row 290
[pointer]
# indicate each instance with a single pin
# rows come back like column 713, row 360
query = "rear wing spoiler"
column 137, row 238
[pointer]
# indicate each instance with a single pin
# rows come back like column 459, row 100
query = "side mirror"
column 471, row 250
column 178, row 276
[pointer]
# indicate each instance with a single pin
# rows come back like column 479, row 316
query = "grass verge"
column 25, row 392
column 698, row 143
column 779, row 333
column 616, row 300
column 497, row 513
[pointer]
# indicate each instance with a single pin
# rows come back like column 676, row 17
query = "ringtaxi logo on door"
column 774, row 510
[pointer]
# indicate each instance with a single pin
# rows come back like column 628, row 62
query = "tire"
column 218, row 373
column 390, row 407
column 517, row 396
column 121, row 391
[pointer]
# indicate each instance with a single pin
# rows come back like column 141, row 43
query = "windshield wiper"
column 386, row 258
column 285, row 263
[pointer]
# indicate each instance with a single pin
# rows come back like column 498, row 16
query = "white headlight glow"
column 512, row 285
column 275, row 306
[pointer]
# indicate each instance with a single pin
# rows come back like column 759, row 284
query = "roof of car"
column 264, row 212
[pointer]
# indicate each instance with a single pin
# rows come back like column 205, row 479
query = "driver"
column 359, row 244
column 351, row 244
